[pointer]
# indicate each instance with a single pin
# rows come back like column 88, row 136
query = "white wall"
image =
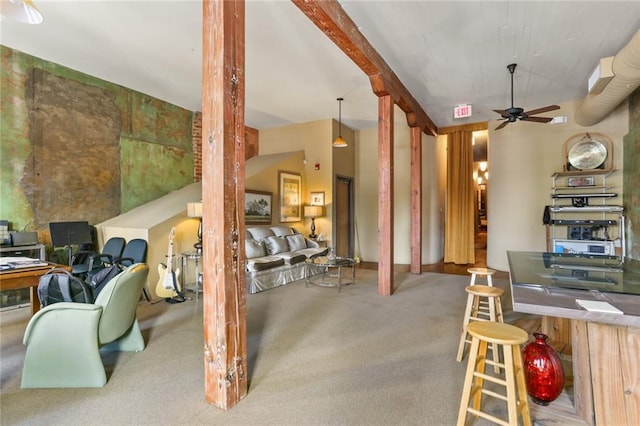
column 367, row 195
column 522, row 158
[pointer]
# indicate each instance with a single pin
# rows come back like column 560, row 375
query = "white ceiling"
column 446, row 53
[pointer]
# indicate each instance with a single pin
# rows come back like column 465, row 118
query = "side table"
column 194, row 285
column 337, row 263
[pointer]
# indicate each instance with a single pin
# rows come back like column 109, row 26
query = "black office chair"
column 134, row 252
column 93, row 261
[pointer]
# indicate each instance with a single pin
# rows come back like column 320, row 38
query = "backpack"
column 102, row 277
column 58, row 285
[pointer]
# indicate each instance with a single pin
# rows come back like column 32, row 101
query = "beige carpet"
column 316, row 357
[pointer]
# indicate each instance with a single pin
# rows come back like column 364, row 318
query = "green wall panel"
column 151, row 170
column 155, row 141
column 155, row 120
column 631, row 177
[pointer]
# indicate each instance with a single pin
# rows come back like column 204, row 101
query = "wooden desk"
column 27, row 278
column 605, row 346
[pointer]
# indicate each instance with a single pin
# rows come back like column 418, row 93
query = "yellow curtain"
column 460, row 226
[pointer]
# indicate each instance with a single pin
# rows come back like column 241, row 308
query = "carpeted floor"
column 316, row 357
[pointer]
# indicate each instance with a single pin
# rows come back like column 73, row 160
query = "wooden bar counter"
column 605, row 346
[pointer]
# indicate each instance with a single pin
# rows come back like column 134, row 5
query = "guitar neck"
column 170, row 257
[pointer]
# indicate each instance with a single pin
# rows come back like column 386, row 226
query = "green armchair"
column 64, row 340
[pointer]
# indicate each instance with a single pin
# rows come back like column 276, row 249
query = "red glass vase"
column 542, row 370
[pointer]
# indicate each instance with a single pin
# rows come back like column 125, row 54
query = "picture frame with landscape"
column 258, row 207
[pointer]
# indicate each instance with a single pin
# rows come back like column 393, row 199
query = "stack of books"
column 10, row 263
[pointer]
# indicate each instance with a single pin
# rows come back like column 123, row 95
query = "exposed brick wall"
column 196, row 132
column 251, row 137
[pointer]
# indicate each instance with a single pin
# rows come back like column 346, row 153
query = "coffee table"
column 329, row 279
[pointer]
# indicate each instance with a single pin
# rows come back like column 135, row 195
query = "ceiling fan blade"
column 501, row 111
column 537, row 119
column 502, row 125
column 541, row 110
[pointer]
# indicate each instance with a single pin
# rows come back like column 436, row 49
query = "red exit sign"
column 462, row 111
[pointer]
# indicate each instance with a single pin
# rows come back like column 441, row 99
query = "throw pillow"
column 281, row 231
column 254, row 249
column 296, row 242
column 276, row 245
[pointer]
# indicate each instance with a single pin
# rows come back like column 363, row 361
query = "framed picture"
column 290, row 188
column 317, row 198
column 581, row 181
column 258, row 206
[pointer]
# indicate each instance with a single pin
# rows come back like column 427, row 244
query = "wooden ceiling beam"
column 334, row 22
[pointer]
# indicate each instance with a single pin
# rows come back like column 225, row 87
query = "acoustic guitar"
column 168, row 286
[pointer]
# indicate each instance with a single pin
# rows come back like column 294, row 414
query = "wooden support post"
column 416, row 200
column 385, row 195
column 224, row 304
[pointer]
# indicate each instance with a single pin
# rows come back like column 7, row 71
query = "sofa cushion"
column 313, row 252
column 259, row 233
column 275, row 245
column 263, row 263
column 292, row 257
column 280, row 231
column 254, row 249
column 296, row 242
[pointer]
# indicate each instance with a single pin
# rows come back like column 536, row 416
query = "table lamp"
column 313, row 212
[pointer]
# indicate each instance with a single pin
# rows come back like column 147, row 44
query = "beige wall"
column 522, row 158
column 367, row 194
column 314, row 138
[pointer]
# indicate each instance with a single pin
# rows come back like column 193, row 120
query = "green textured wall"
column 631, row 177
column 152, row 146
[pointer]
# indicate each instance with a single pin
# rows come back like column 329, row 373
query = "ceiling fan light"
column 21, row 10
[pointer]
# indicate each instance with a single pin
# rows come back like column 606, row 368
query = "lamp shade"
column 194, row 209
column 339, row 142
column 313, row 211
column 21, row 10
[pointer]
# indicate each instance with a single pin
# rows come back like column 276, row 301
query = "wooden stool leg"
column 465, row 321
column 473, row 279
column 523, row 400
column 499, row 317
column 494, row 346
column 489, row 281
column 468, row 379
column 479, row 368
column 512, row 404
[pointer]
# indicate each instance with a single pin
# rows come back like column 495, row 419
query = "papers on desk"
column 9, row 263
column 597, row 306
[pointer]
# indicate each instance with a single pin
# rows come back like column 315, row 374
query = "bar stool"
column 510, row 338
column 479, row 294
column 483, row 272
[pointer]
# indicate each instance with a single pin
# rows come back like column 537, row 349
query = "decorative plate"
column 587, row 154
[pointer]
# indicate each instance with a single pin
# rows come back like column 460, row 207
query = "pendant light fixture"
column 339, row 142
column 21, row 10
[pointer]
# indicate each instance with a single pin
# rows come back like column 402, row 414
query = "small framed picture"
column 257, row 207
column 317, row 198
column 581, row 181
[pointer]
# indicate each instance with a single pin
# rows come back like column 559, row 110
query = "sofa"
column 276, row 256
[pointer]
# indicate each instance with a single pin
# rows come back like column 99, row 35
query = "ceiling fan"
column 516, row 113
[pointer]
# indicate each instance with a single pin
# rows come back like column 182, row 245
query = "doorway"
column 343, row 213
column 481, row 177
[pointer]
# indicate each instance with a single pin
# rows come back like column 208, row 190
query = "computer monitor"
column 70, row 233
